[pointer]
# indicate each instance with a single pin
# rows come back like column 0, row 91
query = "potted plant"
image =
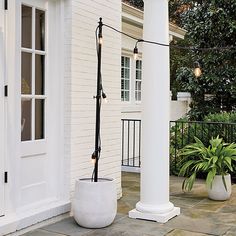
column 95, row 199
column 214, row 160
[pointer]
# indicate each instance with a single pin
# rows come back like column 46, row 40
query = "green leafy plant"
column 216, row 159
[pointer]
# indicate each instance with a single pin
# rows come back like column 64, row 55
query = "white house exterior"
column 132, row 23
column 47, row 111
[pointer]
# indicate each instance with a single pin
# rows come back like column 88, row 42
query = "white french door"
column 2, row 110
column 39, row 101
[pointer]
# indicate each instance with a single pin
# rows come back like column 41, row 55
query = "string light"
column 135, row 53
column 104, row 96
column 172, row 45
column 197, row 69
column 100, row 40
column 93, row 160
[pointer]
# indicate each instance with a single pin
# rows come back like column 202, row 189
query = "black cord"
column 99, row 107
column 171, row 45
column 118, row 31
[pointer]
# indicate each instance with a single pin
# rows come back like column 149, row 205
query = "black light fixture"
column 197, row 69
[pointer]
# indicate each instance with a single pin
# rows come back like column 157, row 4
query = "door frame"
column 2, row 109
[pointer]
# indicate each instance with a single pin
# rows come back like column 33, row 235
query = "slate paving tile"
column 179, row 232
column 105, row 232
column 185, row 202
column 197, row 225
column 210, row 205
column 228, row 209
column 213, row 218
column 68, row 227
column 40, row 232
column 136, row 227
column 231, row 232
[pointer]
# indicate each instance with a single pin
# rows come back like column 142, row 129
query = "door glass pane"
column 26, row 72
column 39, row 119
column 26, row 119
column 40, row 30
column 26, row 29
column 39, row 74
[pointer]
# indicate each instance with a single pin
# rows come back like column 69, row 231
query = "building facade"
column 131, row 69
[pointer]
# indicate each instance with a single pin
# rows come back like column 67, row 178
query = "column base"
column 160, row 218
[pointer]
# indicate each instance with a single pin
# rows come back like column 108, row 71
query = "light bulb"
column 104, row 96
column 197, row 69
column 105, row 100
column 93, row 160
column 197, row 72
column 100, row 41
column 135, row 53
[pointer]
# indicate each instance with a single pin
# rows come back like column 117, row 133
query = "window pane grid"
column 138, row 80
column 33, row 74
column 125, row 78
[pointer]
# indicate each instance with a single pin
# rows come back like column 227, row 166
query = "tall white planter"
column 218, row 191
column 95, row 203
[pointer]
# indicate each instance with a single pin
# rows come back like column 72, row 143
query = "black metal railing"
column 131, row 142
column 183, row 132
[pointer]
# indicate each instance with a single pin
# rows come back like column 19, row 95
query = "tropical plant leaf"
column 210, row 177
column 188, row 182
column 223, row 179
column 216, row 159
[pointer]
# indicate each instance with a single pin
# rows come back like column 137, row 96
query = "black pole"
column 98, row 102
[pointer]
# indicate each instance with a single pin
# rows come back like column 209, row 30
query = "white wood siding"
column 81, row 19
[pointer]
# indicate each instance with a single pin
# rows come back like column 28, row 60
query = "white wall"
column 81, row 64
column 132, row 25
column 178, row 109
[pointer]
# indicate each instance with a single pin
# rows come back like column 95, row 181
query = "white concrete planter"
column 218, row 191
column 95, row 203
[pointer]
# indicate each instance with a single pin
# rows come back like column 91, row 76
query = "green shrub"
column 228, row 117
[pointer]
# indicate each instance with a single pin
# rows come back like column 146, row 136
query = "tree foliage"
column 209, row 24
column 135, row 3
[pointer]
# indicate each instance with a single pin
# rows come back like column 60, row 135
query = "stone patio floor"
column 199, row 215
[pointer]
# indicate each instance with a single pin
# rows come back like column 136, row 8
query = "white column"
column 154, row 203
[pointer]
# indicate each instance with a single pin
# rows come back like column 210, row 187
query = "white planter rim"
column 100, row 180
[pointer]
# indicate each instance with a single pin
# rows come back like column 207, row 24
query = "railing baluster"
column 128, row 145
column 176, row 146
column 134, row 144
column 122, row 145
column 139, row 151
